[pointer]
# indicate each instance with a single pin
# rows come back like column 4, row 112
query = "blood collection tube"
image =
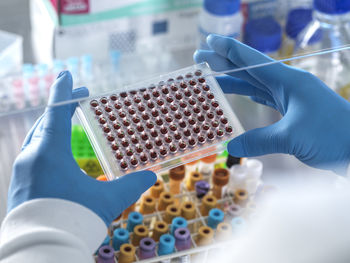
column 216, row 216
column 205, row 236
column 127, row 253
column 166, row 245
column 120, row 237
column 165, row 199
column 176, row 175
column 188, row 210
column 223, row 232
column 157, row 189
column 148, row 205
column 202, row 188
column 241, row 197
column 178, row 222
column 193, row 178
column 140, row 232
column 206, row 165
column 160, row 228
column 182, row 239
column 171, row 212
column 128, row 211
column 147, row 248
column 105, row 255
column 234, row 210
column 208, row 202
column 220, row 179
column 134, row 219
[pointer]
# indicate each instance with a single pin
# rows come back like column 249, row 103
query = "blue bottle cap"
column 216, row 216
column 297, row 20
column 166, row 244
column 263, row 34
column 332, row 7
column 120, row 237
column 134, row 219
column 222, row 7
column 178, row 222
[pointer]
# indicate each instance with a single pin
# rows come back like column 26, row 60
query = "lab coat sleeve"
column 50, row 230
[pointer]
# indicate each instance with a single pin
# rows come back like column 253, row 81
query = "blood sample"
column 176, row 175
column 94, row 103
column 220, row 179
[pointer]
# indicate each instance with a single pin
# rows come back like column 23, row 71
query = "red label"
column 74, row 6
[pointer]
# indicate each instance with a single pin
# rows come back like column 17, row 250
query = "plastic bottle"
column 332, row 17
column 297, row 20
column 221, row 17
column 265, row 35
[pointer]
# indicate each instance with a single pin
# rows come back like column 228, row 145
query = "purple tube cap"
column 182, row 239
column 105, row 254
column 202, row 188
column 147, row 248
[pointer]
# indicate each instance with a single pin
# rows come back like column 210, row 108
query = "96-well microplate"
column 161, row 123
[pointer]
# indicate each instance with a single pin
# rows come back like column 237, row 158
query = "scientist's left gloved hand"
column 46, row 168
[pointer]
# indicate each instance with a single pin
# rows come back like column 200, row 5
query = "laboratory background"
column 118, row 49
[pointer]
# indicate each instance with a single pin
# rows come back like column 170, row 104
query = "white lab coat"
column 50, row 230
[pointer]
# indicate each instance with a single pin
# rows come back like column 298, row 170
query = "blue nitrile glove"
column 316, row 121
column 46, row 169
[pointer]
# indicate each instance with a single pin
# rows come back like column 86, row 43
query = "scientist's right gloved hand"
column 316, row 121
column 45, row 168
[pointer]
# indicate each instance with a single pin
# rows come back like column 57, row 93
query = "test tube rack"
column 200, row 220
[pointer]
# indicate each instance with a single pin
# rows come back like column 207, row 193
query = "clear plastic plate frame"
column 104, row 139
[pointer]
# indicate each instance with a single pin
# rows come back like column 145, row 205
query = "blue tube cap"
column 134, row 219
column 120, row 237
column 216, row 216
column 166, row 244
column 332, row 7
column 178, row 222
column 263, row 34
column 222, row 7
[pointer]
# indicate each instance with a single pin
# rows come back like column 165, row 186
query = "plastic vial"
column 221, row 17
column 265, row 35
column 127, row 253
column 178, row 222
column 208, row 202
column 134, row 219
column 176, row 176
column 192, row 179
column 223, row 232
column 241, row 197
column 120, row 237
column 238, row 225
column 183, row 242
column 140, row 232
column 216, row 216
column 202, row 188
column 105, row 255
column 148, row 205
column 171, row 212
column 160, row 228
column 332, row 18
column 157, row 189
column 220, row 179
column 147, row 248
column 165, row 200
column 205, row 236
column 166, row 245
column 191, row 167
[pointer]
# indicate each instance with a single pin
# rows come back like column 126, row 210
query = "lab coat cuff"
column 58, row 215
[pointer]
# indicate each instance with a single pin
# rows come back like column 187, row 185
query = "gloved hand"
column 316, row 121
column 46, row 168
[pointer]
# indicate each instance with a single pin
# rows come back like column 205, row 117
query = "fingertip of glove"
column 64, row 74
column 196, row 56
column 235, row 148
column 80, row 92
